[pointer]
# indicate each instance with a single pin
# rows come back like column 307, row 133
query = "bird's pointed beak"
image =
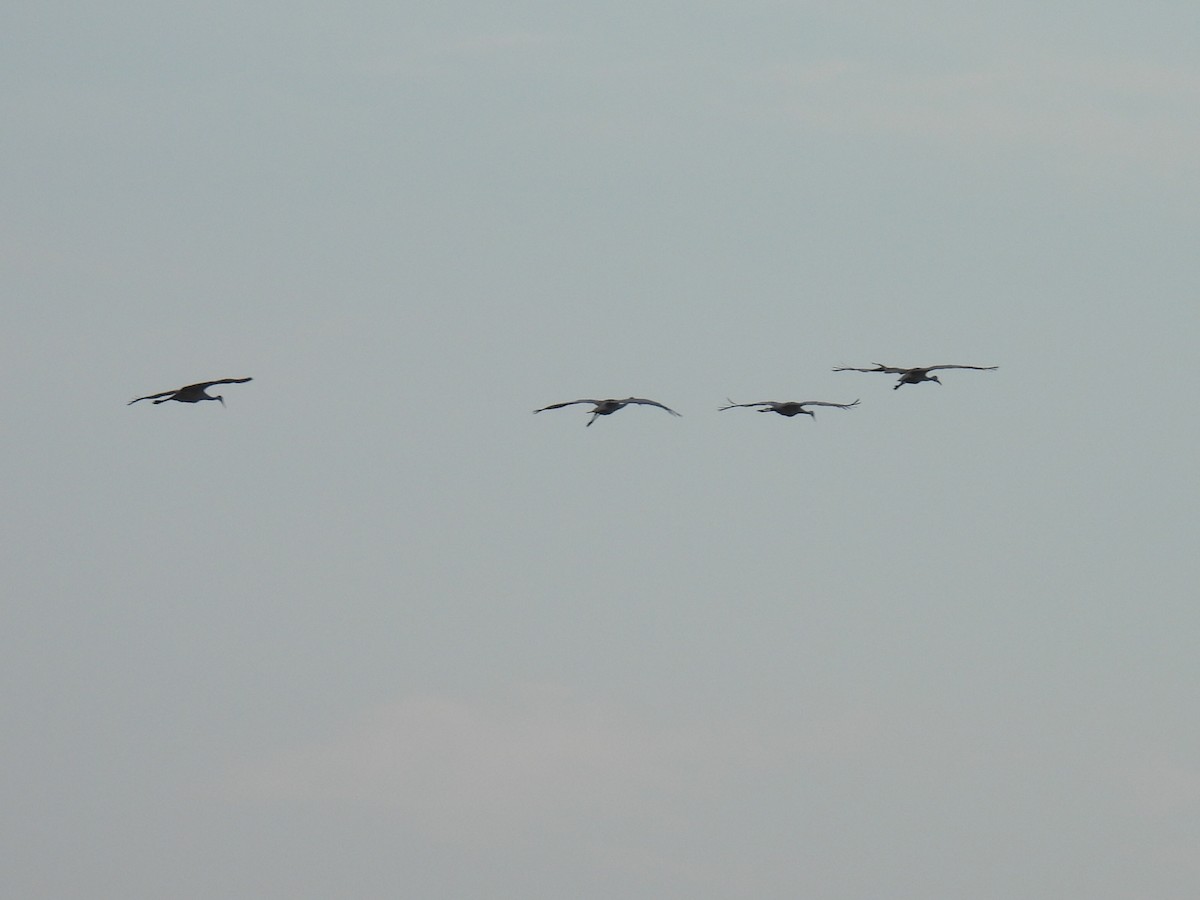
column 222, row 399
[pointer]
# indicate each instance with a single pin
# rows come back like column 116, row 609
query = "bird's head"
column 219, row 397
column 935, row 378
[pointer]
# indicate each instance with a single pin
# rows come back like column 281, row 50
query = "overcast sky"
column 374, row 630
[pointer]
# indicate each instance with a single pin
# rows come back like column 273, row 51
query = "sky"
column 374, row 630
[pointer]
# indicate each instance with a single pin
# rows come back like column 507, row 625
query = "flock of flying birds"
column 194, row 393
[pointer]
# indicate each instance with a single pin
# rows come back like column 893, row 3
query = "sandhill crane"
column 191, row 393
column 915, row 375
column 791, row 408
column 608, row 407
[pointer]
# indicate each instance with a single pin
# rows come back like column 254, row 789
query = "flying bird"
column 913, row 376
column 608, row 407
column 191, row 393
column 791, row 407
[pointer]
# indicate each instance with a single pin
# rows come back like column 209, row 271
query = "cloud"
column 498, row 42
column 430, row 53
column 1158, row 785
column 1161, row 797
column 1083, row 110
column 474, row 767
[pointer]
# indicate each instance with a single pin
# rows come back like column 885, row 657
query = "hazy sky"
column 374, row 631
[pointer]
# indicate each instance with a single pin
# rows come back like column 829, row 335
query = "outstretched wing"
column 650, row 403
column 732, row 405
column 826, row 403
column 202, row 385
column 980, row 368
column 879, row 367
column 568, row 403
column 153, row 396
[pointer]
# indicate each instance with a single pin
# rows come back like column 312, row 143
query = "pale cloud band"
column 533, row 757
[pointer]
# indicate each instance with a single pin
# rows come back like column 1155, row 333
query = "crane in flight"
column 790, row 408
column 608, row 407
column 191, row 393
column 912, row 376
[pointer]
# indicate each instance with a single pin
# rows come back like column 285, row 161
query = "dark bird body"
column 914, row 375
column 790, row 408
column 608, row 407
column 191, row 393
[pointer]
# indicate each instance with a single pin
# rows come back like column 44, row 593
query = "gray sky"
column 373, row 630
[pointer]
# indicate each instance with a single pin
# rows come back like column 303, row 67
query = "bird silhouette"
column 191, row 393
column 790, row 408
column 608, row 407
column 912, row 376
